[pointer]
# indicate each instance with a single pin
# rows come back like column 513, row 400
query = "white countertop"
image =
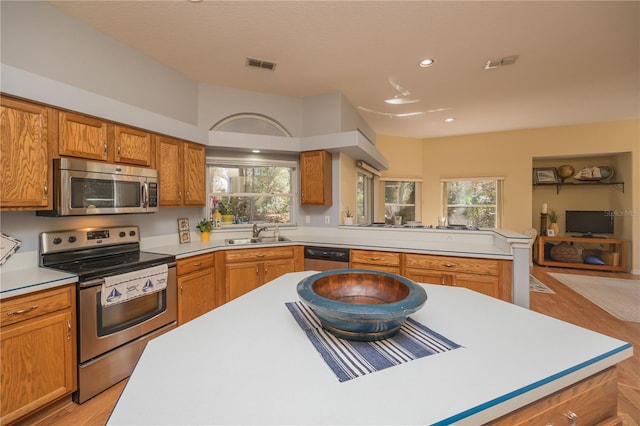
column 22, row 275
column 248, row 362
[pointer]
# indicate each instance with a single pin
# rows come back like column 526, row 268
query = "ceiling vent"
column 258, row 63
column 502, row 62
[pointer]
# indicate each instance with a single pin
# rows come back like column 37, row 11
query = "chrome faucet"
column 257, row 231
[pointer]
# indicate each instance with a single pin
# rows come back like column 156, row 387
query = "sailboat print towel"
column 123, row 287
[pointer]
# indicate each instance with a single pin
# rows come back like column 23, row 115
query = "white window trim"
column 499, row 189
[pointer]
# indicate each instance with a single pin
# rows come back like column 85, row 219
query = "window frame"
column 231, row 162
column 417, row 204
column 499, row 197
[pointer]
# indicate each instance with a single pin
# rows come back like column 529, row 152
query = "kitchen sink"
column 260, row 240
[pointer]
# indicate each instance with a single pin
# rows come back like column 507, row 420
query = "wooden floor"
column 566, row 305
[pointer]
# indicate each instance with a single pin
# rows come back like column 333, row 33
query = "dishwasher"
column 325, row 258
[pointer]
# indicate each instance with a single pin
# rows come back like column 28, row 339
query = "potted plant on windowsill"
column 204, row 226
column 227, row 215
column 348, row 217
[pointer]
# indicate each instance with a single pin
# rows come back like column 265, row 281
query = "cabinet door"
column 196, row 294
column 131, row 146
column 485, row 284
column 194, row 171
column 169, row 164
column 275, row 268
column 37, row 365
column 82, row 136
column 25, row 172
column 241, row 278
column 315, row 178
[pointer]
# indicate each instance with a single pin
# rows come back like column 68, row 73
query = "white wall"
column 39, row 38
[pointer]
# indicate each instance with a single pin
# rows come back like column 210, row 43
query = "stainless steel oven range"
column 112, row 334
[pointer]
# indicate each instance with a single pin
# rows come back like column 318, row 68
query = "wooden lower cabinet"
column 37, row 351
column 248, row 269
column 591, row 401
column 376, row 260
column 487, row 276
column 196, row 286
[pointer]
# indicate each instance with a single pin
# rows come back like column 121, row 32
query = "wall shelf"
column 619, row 186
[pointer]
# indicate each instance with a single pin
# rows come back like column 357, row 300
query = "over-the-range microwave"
column 84, row 187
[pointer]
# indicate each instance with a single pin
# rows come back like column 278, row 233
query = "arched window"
column 253, row 123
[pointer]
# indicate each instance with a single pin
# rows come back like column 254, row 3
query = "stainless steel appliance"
column 110, row 338
column 84, row 187
column 325, row 258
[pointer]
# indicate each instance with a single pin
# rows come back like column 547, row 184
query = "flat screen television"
column 588, row 222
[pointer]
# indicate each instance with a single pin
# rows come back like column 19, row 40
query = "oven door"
column 102, row 329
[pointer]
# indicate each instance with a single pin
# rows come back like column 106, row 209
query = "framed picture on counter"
column 545, row 175
column 183, row 231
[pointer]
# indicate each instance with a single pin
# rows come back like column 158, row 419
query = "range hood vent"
column 258, row 63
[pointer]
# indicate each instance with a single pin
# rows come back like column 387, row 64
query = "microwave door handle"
column 145, row 195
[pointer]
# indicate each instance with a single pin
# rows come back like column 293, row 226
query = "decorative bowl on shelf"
column 606, row 173
column 361, row 304
column 565, row 172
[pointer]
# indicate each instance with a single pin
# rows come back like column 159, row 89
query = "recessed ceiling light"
column 427, row 62
column 449, row 120
column 255, row 151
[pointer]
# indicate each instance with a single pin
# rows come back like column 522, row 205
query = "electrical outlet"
column 307, row 219
column 327, row 220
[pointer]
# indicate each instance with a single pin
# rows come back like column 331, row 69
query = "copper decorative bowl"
column 361, row 304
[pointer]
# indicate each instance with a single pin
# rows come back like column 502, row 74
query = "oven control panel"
column 51, row 242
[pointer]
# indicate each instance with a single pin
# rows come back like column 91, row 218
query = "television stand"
column 610, row 245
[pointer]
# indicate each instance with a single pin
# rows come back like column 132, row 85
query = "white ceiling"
column 578, row 61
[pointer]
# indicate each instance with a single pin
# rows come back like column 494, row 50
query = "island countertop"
column 248, row 362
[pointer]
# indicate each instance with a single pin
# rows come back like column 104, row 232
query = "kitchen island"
column 248, row 362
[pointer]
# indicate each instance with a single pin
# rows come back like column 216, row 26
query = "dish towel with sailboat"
column 123, row 287
column 351, row 359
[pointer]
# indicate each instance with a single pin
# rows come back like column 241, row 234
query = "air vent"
column 258, row 63
column 502, row 62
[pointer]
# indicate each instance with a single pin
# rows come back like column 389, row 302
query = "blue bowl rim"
column 414, row 301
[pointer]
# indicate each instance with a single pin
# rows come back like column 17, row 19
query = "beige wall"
column 511, row 155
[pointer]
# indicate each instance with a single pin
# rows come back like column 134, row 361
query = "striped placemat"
column 350, row 359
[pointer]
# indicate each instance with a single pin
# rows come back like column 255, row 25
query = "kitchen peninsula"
column 248, row 362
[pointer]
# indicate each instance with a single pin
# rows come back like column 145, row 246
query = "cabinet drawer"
column 195, row 263
column 21, row 308
column 375, row 257
column 592, row 400
column 257, row 254
column 453, row 264
column 383, row 268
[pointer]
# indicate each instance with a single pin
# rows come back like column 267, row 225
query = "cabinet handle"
column 442, row 279
column 256, row 270
column 181, row 289
column 572, row 417
column 22, row 311
column 68, row 330
column 105, row 148
column 197, row 264
column 186, row 195
column 374, row 258
column 118, row 149
column 179, row 195
column 260, row 255
column 46, row 190
column 449, row 265
column 266, row 270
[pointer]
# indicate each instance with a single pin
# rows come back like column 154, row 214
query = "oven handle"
column 100, row 281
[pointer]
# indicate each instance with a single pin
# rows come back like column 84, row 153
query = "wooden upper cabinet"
column 181, row 171
column 82, row 136
column 131, row 146
column 315, row 178
column 194, row 174
column 169, row 164
column 26, row 177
